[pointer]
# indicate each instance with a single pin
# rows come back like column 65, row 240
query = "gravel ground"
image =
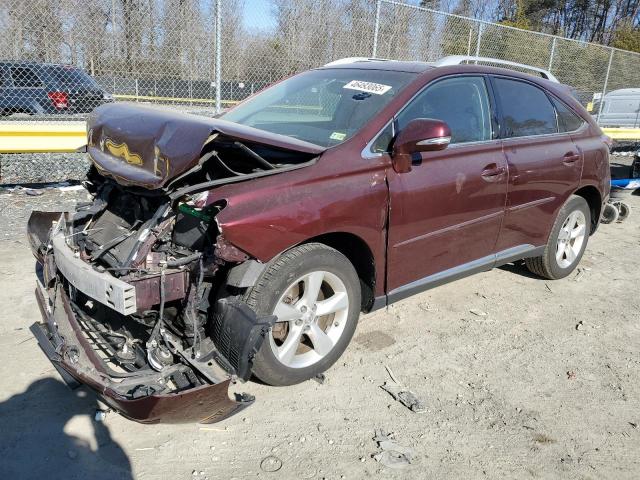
column 42, row 167
column 520, row 377
column 17, row 201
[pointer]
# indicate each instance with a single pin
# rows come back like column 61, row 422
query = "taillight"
column 60, row 100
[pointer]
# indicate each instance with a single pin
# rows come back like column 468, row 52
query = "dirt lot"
column 546, row 385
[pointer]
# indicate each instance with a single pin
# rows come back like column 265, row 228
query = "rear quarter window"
column 568, row 121
column 526, row 109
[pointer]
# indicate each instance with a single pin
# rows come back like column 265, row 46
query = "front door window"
column 461, row 102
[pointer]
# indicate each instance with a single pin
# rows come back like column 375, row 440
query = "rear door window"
column 526, row 109
column 568, row 121
column 460, row 102
column 25, row 77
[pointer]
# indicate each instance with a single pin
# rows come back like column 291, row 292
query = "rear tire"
column 567, row 241
column 293, row 287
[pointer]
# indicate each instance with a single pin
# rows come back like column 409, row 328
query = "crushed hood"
column 147, row 147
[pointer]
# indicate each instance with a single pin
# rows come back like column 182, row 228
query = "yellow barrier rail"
column 42, row 137
column 628, row 134
column 69, row 137
column 146, row 98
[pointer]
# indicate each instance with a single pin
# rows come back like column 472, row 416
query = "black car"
column 45, row 88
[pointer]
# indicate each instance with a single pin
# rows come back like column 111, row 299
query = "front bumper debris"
column 145, row 395
column 61, row 339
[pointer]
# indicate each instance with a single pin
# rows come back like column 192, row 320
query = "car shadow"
column 519, row 268
column 35, row 442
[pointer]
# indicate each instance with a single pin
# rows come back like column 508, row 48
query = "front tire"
column 567, row 241
column 315, row 293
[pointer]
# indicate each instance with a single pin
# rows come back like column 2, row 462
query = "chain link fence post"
column 552, row 54
column 480, row 28
column 604, row 87
column 113, row 28
column 376, row 29
column 218, row 73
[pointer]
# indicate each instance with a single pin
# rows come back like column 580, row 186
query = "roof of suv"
column 461, row 61
column 378, row 64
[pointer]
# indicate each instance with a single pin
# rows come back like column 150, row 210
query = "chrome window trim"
column 478, row 142
column 435, row 141
column 546, row 135
column 367, row 151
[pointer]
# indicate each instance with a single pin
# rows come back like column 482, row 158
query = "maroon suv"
column 218, row 248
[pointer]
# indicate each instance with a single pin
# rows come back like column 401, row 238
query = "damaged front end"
column 129, row 285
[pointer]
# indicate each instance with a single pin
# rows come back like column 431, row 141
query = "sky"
column 258, row 14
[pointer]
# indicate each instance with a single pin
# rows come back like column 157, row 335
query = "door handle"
column 492, row 172
column 570, row 158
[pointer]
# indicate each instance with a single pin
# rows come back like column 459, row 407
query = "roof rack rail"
column 342, row 61
column 458, row 59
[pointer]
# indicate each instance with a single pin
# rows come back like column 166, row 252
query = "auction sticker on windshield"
column 369, row 87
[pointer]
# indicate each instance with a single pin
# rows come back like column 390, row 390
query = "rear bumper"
column 62, row 341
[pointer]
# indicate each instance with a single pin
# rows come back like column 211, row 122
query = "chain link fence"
column 60, row 59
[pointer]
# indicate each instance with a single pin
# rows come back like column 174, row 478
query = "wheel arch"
column 593, row 198
column 361, row 257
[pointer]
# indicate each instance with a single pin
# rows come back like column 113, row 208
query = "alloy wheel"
column 570, row 239
column 312, row 315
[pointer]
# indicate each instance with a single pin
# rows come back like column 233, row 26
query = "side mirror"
column 419, row 135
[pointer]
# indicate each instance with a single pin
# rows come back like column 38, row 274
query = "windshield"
column 324, row 107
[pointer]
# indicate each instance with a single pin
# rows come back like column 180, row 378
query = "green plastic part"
column 186, row 209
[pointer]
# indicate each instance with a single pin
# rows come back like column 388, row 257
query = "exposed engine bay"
column 140, row 273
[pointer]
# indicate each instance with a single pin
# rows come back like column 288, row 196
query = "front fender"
column 267, row 216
